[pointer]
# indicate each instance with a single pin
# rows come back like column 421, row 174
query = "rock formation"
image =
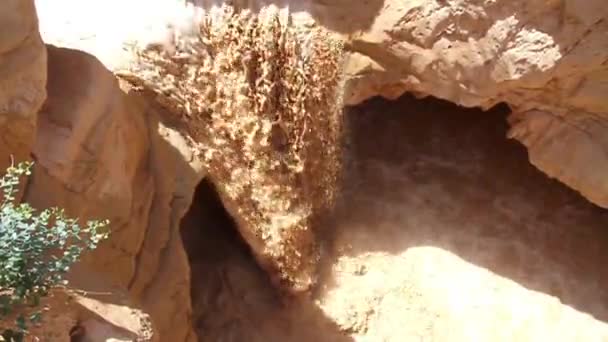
column 262, row 102
column 22, row 79
column 547, row 59
column 101, row 151
column 105, row 148
column 104, row 153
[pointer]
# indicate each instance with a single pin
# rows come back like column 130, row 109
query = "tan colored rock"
column 262, row 180
column 103, row 153
column 73, row 314
column 108, row 313
column 68, row 168
column 105, row 150
column 92, row 147
column 548, row 56
column 572, row 149
column 22, row 79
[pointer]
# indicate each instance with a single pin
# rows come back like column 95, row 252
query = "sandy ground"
column 445, row 233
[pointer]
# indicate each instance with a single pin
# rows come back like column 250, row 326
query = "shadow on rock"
column 233, row 298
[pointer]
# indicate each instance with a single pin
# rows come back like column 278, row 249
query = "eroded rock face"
column 262, row 100
column 105, row 151
column 546, row 59
column 102, row 152
column 537, row 56
column 22, row 79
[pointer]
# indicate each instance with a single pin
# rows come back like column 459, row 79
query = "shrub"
column 36, row 250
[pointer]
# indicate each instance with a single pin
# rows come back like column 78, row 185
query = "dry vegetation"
column 261, row 99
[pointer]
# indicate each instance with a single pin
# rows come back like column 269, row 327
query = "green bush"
column 36, row 250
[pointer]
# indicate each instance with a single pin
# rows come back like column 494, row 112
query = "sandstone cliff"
column 106, row 149
column 100, row 152
column 104, row 153
column 22, row 79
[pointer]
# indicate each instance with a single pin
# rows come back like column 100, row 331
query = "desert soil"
column 444, row 232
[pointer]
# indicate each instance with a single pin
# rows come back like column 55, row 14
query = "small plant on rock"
column 36, row 251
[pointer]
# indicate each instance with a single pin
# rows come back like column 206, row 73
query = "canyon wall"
column 101, row 151
column 22, row 79
column 106, row 149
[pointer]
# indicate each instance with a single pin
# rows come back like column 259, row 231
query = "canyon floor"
column 444, row 232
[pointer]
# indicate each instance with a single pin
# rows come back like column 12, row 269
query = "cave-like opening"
column 426, row 173
column 219, row 260
column 233, row 299
column 422, row 175
column 208, row 231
